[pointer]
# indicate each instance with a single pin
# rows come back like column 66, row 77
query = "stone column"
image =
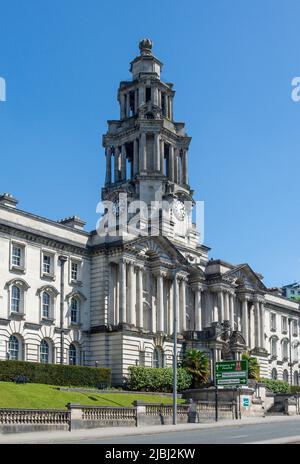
column 171, row 163
column 167, row 105
column 160, row 302
column 135, row 157
column 176, row 165
column 257, row 324
column 122, row 298
column 116, row 164
column 111, row 297
column 198, row 310
column 226, row 309
column 123, row 162
column 142, row 154
column 171, row 107
column 183, row 305
column 108, row 165
column 140, row 299
column 127, row 105
column 136, row 100
column 221, row 306
column 132, row 295
column 262, row 325
column 215, row 307
column 123, row 107
column 157, row 160
column 232, row 311
column 185, row 167
column 141, row 95
column 155, row 96
column 245, row 325
column 162, row 156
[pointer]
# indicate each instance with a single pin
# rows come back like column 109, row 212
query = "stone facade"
column 69, row 296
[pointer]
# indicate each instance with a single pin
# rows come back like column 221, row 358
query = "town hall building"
column 108, row 297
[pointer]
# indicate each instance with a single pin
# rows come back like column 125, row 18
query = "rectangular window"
column 284, row 324
column 46, row 264
column 273, row 321
column 16, row 256
column 74, row 271
column 295, row 329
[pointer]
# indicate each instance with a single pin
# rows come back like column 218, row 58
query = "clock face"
column 118, row 207
column 179, row 209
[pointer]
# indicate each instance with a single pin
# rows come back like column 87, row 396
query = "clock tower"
column 147, row 155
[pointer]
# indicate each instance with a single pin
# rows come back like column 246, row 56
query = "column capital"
column 198, row 286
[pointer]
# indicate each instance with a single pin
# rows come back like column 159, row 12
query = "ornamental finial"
column 145, row 46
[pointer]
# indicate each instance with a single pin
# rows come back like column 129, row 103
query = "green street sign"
column 231, row 373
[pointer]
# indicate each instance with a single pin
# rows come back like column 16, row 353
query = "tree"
column 253, row 366
column 197, row 363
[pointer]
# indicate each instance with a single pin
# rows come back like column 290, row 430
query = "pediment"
column 244, row 276
column 157, row 248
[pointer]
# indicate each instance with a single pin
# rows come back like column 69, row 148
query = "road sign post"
column 231, row 373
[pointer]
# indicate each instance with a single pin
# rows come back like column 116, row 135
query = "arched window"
column 46, row 305
column 15, row 299
column 158, row 357
column 285, row 375
column 72, row 355
column 274, row 374
column 75, row 310
column 44, row 352
column 296, row 378
column 14, row 348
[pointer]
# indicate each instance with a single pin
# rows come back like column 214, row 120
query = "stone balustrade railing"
column 108, row 414
column 165, row 410
column 33, row 416
column 78, row 416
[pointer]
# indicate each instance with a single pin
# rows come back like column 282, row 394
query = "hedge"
column 276, row 386
column 157, row 379
column 55, row 374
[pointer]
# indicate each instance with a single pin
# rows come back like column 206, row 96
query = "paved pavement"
column 281, row 429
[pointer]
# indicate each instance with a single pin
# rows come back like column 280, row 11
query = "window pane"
column 16, row 256
column 15, row 299
column 46, row 264
column 72, row 355
column 13, row 348
column 44, row 352
column 74, row 311
column 74, row 271
column 46, row 305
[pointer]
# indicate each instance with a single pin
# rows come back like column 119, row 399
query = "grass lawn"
column 40, row 396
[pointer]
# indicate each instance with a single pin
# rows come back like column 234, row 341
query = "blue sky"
column 232, row 63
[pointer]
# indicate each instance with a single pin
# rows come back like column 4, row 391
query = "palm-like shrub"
column 197, row 364
column 253, row 366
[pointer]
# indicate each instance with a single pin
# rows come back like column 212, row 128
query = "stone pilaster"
column 142, row 153
column 108, row 165
column 132, row 295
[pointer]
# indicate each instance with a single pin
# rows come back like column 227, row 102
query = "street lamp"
column 175, row 348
